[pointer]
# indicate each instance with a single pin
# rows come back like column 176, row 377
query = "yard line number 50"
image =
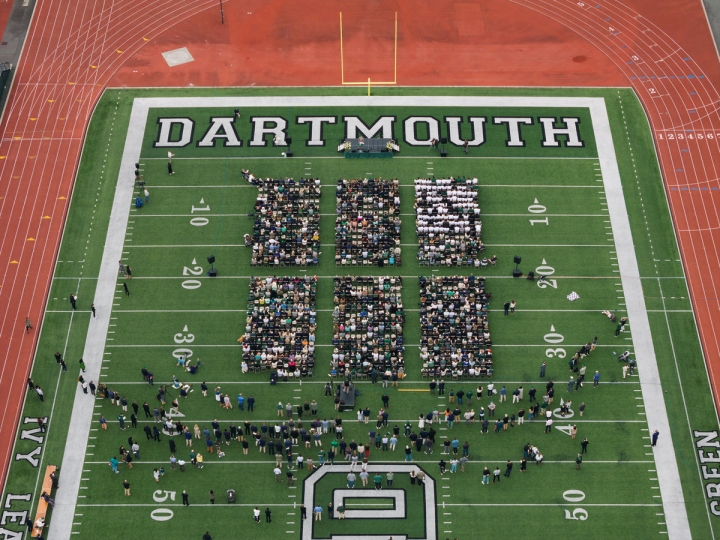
column 575, row 496
column 162, row 514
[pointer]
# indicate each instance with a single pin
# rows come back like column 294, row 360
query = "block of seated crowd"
column 286, row 231
column 368, row 321
column 280, row 324
column 454, row 332
column 448, row 222
column 367, row 226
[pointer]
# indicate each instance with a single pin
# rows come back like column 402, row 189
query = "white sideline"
column 82, row 414
column 84, row 404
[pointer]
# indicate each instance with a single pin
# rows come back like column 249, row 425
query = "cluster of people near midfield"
column 280, row 325
column 455, row 337
column 448, row 222
column 367, row 226
column 287, row 222
column 368, row 323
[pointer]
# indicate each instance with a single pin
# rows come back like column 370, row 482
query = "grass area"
column 617, row 477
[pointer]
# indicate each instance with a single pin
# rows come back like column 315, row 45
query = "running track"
column 75, row 50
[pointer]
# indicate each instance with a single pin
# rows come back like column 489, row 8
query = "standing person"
column 512, row 306
column 170, row 156
column 584, row 445
column 268, row 514
column 625, row 370
column 40, row 393
column 496, row 475
column 127, row 291
column 596, row 379
column 543, row 366
column 578, row 461
column 82, row 366
column 73, row 300
column 28, row 325
column 303, row 511
column 185, row 500
column 506, row 307
column 655, row 436
column 212, row 497
column 207, row 536
column 114, row 464
column 318, row 513
column 121, row 268
column 126, row 485
column 620, row 326
column 128, row 271
column 508, row 468
column 465, row 146
column 147, row 195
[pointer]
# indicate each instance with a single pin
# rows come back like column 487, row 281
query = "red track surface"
column 76, row 49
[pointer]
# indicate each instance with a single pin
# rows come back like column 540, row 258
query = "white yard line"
column 82, row 415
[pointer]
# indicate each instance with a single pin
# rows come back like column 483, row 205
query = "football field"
column 567, row 181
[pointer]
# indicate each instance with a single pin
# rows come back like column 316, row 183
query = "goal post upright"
column 343, row 82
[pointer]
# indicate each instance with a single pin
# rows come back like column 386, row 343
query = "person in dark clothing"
column 584, row 445
column 268, row 513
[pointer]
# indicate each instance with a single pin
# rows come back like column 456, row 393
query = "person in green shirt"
column 341, row 512
column 578, row 461
column 378, row 481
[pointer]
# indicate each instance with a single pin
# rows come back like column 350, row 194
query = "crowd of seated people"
column 368, row 323
column 287, row 222
column 367, row 226
column 280, row 324
column 448, row 222
column 455, row 338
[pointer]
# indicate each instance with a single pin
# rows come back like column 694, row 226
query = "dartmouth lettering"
column 414, row 131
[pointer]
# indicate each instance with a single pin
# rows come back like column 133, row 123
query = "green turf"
column 616, row 471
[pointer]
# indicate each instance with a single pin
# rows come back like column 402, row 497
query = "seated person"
column 192, row 368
